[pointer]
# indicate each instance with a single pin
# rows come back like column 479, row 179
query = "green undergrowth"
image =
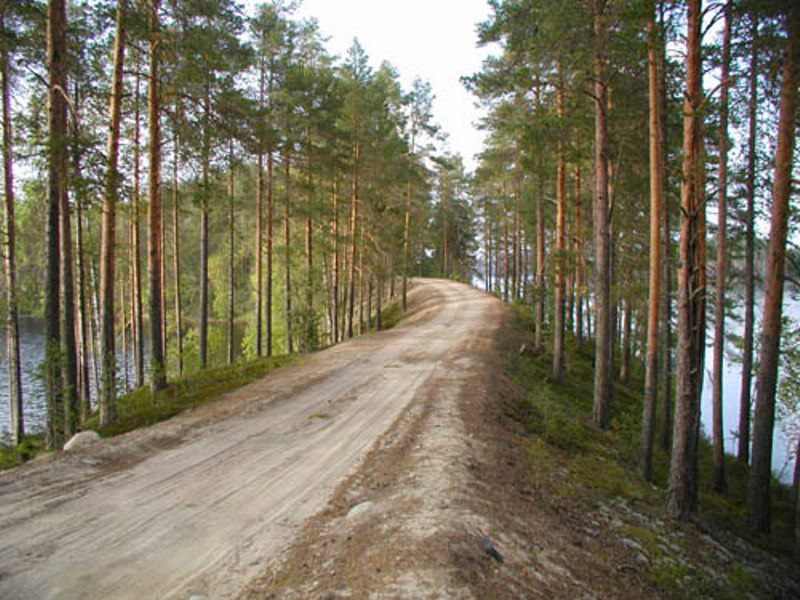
column 141, row 408
column 574, row 464
column 11, row 456
column 391, row 315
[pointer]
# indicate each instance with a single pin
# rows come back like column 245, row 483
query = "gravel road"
column 196, row 506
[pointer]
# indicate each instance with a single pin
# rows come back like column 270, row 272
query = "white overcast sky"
column 431, row 39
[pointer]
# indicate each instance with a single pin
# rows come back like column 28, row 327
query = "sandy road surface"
column 197, row 505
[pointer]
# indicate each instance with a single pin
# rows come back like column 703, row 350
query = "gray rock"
column 81, row 440
column 360, row 508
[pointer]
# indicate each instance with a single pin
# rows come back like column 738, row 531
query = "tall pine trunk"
column 682, row 493
column 158, row 372
column 137, row 305
column 758, row 485
column 16, row 418
column 56, row 188
column 231, row 264
column 287, row 263
column 351, row 258
column 268, row 329
column 559, row 333
column 202, row 345
column 602, row 240
column 176, row 243
column 717, row 439
column 335, row 261
column 654, row 292
column 108, row 230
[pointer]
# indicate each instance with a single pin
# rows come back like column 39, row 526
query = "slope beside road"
column 206, row 503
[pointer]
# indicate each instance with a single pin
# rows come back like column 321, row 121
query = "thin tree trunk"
column 559, row 334
column 758, row 484
column 406, row 239
column 108, row 229
column 83, row 309
column 202, row 337
column 69, row 342
column 158, row 371
column 603, row 330
column 259, row 239
column 231, row 264
column 745, row 393
column 352, row 252
column 176, row 244
column 378, row 305
column 540, row 251
column 625, row 346
column 654, row 292
column 665, row 371
column 287, row 279
column 123, row 334
column 682, row 493
column 579, row 260
column 136, row 240
column 717, row 439
column 335, row 260
column 268, row 275
column 310, row 332
column 16, row 419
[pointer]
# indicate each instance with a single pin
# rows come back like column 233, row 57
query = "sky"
column 431, row 39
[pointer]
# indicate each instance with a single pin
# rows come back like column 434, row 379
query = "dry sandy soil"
column 215, row 502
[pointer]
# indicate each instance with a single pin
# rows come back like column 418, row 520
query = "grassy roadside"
column 140, row 408
column 589, row 478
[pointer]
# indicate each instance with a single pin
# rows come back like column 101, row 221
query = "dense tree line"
column 632, row 149
column 200, row 184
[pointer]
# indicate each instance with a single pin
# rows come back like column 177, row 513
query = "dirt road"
column 201, row 504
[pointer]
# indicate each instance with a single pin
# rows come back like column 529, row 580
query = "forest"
column 199, row 185
column 187, row 185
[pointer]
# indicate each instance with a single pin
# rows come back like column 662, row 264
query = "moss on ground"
column 571, row 460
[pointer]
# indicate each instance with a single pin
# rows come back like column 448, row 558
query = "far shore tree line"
column 200, row 184
column 632, row 149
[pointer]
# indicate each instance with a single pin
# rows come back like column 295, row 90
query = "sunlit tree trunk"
column 335, row 260
column 351, row 259
column 682, row 493
column 559, row 333
column 758, row 485
column 654, row 292
column 268, row 276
